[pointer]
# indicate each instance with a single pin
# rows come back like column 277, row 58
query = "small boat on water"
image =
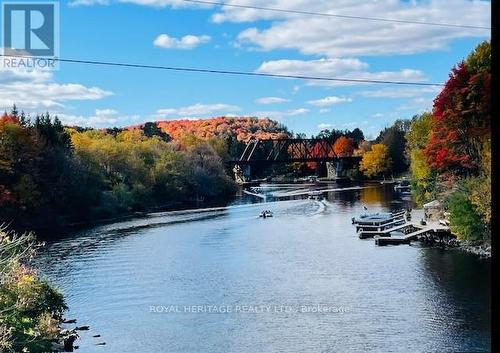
column 315, row 195
column 265, row 214
column 377, row 218
column 403, row 186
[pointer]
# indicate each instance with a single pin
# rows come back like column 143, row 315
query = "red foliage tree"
column 243, row 128
column 344, row 146
column 461, row 120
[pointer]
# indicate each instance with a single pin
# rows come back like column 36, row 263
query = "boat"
column 378, row 218
column 403, row 186
column 315, row 195
column 266, row 214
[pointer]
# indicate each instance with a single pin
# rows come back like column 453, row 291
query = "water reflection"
column 308, row 253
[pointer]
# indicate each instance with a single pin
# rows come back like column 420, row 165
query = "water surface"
column 381, row 299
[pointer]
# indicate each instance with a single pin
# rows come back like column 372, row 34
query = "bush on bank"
column 30, row 308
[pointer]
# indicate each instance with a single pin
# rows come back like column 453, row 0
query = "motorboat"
column 266, row 214
column 378, row 217
column 370, row 218
column 403, row 186
column 315, row 195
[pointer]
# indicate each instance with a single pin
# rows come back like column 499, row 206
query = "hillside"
column 243, row 128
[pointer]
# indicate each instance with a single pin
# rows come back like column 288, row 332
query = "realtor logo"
column 30, row 29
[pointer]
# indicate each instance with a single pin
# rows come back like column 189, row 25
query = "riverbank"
column 483, row 250
column 56, row 231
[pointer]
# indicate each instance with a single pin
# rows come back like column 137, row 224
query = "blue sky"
column 175, row 33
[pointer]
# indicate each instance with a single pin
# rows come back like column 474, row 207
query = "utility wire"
column 352, row 17
column 225, row 72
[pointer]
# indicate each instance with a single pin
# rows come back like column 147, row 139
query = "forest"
column 450, row 148
column 52, row 176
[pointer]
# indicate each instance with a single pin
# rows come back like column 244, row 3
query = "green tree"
column 394, row 138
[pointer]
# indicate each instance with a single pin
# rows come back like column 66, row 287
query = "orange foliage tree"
column 344, row 146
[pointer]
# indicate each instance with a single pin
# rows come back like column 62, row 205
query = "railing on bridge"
column 269, row 151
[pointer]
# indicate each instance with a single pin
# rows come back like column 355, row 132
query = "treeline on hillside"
column 51, row 175
column 450, row 148
column 239, row 128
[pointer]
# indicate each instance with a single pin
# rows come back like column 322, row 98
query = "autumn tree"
column 344, row 146
column 461, row 115
column 423, row 177
column 394, row 138
column 363, row 147
column 376, row 161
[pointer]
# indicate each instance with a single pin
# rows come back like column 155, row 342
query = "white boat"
column 403, row 186
column 315, row 195
column 266, row 214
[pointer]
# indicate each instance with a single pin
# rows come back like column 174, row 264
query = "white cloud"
column 187, row 42
column 320, row 67
column 327, row 101
column 88, row 2
column 199, row 110
column 271, row 100
column 150, row 3
column 36, row 90
column 324, row 126
column 100, row 119
column 299, row 111
column 315, row 35
column 401, row 92
column 325, row 110
column 417, row 105
column 326, row 36
column 280, row 114
column 346, row 68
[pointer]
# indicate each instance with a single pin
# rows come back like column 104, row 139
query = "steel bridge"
column 269, row 151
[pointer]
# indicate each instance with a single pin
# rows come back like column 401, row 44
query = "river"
column 223, row 280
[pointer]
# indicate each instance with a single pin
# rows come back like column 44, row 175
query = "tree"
column 344, row 146
column 151, row 129
column 394, row 138
column 423, row 177
column 357, row 135
column 376, row 161
column 461, row 115
column 363, row 147
column 465, row 221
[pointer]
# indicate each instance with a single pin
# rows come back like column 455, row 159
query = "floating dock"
column 363, row 234
column 425, row 230
column 381, row 230
column 396, row 222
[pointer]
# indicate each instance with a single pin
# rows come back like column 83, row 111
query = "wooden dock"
column 422, row 230
column 383, row 232
column 397, row 221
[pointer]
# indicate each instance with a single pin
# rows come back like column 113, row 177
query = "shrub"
column 465, row 221
column 30, row 308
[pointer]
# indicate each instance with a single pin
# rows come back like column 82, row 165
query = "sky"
column 179, row 33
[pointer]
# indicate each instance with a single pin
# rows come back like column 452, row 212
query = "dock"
column 397, row 221
column 384, row 232
column 376, row 223
column 381, row 230
column 406, row 239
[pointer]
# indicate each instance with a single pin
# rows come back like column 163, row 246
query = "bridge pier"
column 335, row 169
column 242, row 173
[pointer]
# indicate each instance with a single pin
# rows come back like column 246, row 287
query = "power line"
column 352, row 17
column 226, row 72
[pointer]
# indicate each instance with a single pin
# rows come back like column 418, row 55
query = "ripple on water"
column 306, row 255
